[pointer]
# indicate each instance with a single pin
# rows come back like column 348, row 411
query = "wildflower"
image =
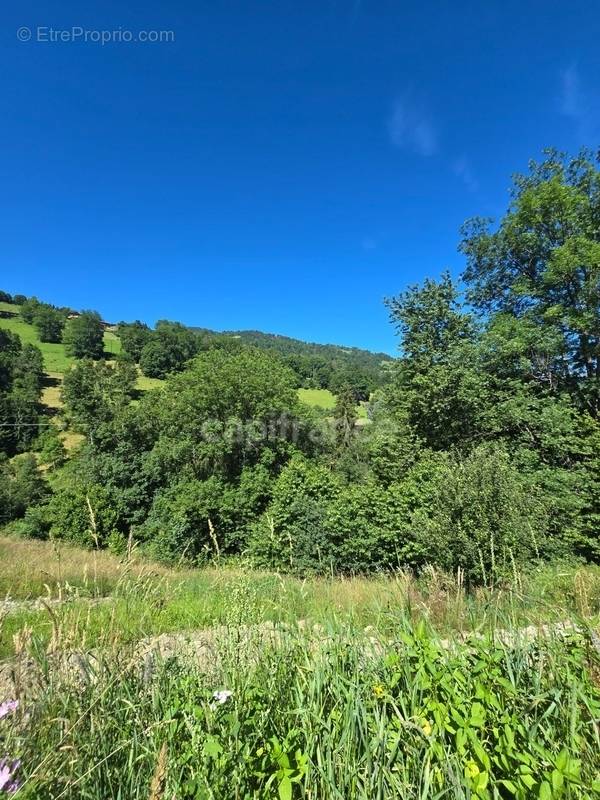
column 221, row 697
column 378, row 691
column 8, row 783
column 426, row 727
column 8, row 707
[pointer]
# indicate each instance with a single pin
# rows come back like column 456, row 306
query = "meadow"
column 138, row 681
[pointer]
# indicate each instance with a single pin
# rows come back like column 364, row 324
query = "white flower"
column 8, row 707
column 221, row 697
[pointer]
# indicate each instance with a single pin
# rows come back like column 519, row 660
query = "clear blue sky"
column 280, row 165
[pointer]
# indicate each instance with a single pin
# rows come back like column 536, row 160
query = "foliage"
column 21, row 373
column 83, row 336
column 134, row 336
column 94, row 392
column 49, row 323
column 167, row 349
column 21, row 486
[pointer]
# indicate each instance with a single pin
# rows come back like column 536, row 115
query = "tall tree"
column 83, row 336
column 541, row 266
column 436, row 380
column 49, row 323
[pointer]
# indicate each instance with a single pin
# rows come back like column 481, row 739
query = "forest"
column 480, row 452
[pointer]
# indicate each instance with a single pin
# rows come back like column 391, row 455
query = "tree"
column 93, row 392
column 171, row 346
column 345, row 416
column 52, row 450
column 21, row 375
column 29, row 309
column 21, row 485
column 436, row 380
column 49, row 323
column 5, row 297
column 83, row 336
column 541, row 266
column 134, row 336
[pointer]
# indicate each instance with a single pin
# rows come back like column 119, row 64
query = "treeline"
column 168, row 348
column 483, row 450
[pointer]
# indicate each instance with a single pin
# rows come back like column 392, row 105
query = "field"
column 319, row 398
column 323, row 398
column 56, row 361
column 229, row 683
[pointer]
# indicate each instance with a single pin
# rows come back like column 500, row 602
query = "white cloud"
column 463, row 170
column 576, row 103
column 411, row 128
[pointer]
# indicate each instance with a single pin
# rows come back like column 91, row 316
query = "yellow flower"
column 471, row 769
column 426, row 727
column 378, row 691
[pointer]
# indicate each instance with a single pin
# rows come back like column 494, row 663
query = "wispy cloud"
column 463, row 170
column 411, row 127
column 578, row 104
column 368, row 243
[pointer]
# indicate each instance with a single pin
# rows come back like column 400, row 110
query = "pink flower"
column 7, row 775
column 8, row 707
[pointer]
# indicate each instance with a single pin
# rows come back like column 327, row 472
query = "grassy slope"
column 56, row 361
column 323, row 398
column 320, row 398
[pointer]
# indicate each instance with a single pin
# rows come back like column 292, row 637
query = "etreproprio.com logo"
column 78, row 34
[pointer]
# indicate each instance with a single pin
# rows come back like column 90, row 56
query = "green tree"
column 21, row 485
column 52, row 450
column 94, row 392
column 436, row 380
column 541, row 265
column 171, row 346
column 21, row 375
column 49, row 323
column 83, row 336
column 345, row 416
column 29, row 309
column 134, row 336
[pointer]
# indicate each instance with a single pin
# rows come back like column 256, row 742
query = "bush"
column 481, row 516
column 292, row 533
column 35, row 524
column 21, row 485
column 82, row 515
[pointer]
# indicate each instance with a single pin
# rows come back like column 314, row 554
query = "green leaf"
column 285, row 789
column 545, row 792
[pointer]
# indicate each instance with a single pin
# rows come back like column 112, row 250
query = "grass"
column 330, row 712
column 218, row 595
column 319, row 398
column 145, row 384
column 323, row 398
column 56, row 361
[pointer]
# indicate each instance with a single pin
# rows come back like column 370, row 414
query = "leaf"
column 285, row 789
column 545, row 792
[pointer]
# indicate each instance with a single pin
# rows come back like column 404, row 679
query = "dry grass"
column 30, row 568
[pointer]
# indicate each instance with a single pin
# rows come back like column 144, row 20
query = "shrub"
column 82, row 515
column 481, row 515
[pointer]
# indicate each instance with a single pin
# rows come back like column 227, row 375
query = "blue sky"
column 280, row 165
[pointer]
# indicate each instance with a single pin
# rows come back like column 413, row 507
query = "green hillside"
column 56, row 361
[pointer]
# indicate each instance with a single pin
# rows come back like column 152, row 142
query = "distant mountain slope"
column 326, row 366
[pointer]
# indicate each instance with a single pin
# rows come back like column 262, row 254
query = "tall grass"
column 325, row 713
